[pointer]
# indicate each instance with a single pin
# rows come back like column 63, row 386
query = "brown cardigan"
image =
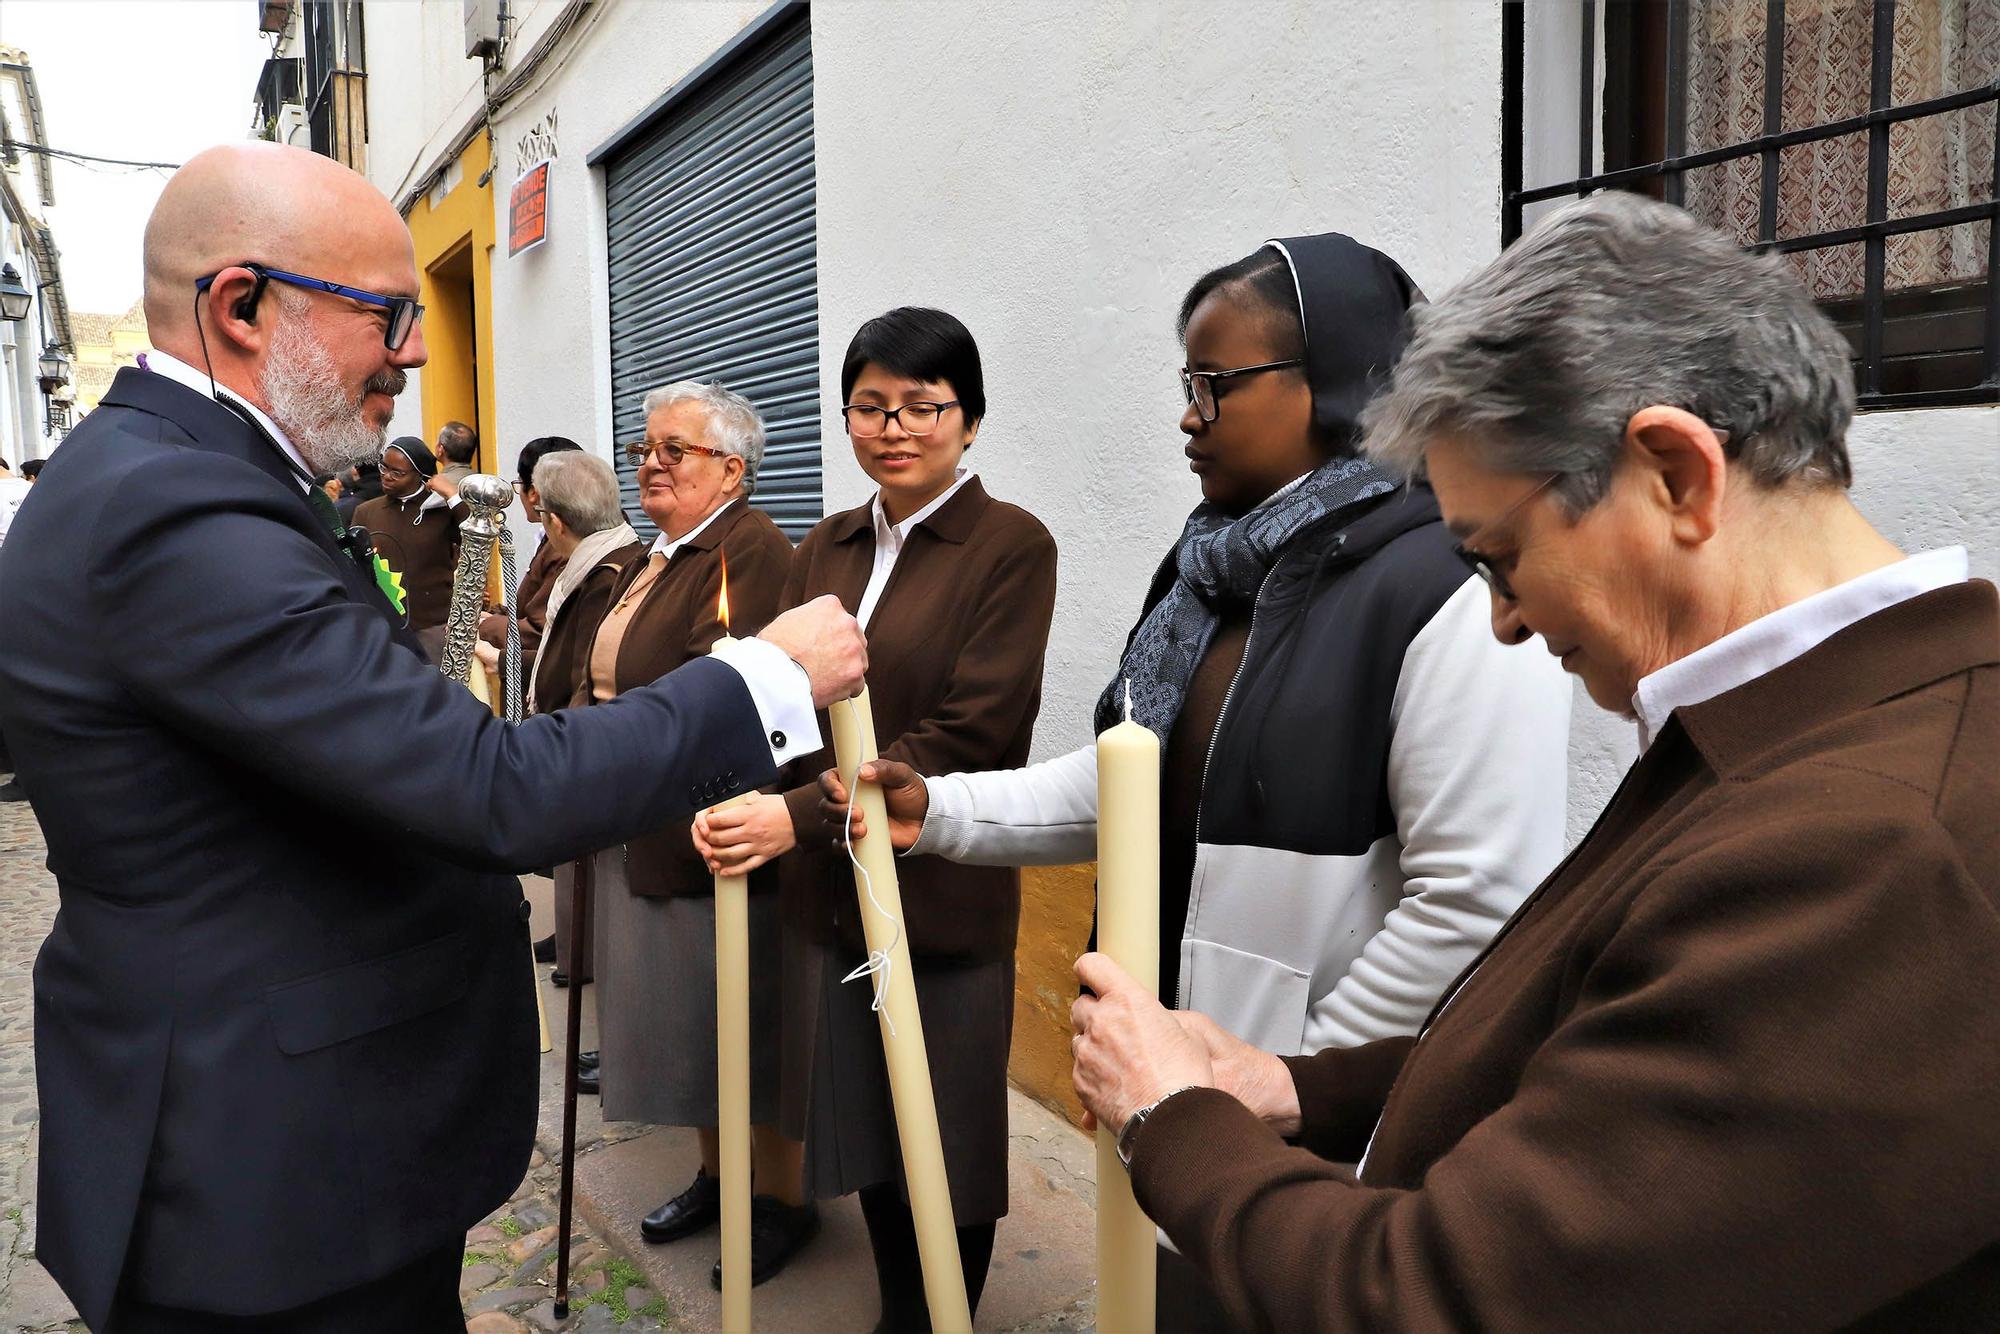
column 565, row 644
column 675, row 623
column 1735, row 1066
column 955, row 680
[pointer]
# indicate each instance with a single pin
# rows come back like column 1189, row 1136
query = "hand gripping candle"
column 732, row 1062
column 903, row 1052
column 1128, row 930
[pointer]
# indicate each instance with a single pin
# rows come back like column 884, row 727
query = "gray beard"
column 303, row 394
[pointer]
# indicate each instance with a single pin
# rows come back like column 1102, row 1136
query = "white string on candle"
column 880, row 964
column 1128, row 699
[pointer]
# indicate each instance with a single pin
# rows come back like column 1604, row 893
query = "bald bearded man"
column 276, row 1090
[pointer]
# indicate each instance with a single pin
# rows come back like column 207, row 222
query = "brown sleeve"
column 997, row 665
column 1341, row 1092
column 531, row 598
column 1770, row 1106
column 798, row 781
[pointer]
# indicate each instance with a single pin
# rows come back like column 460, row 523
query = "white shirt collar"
column 891, row 536
column 430, row 499
column 1774, row 639
column 667, row 546
column 160, row 363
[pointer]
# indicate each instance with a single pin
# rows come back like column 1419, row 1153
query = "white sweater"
column 1297, row 952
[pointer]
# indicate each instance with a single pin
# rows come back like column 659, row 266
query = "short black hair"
column 322, row 479
column 536, row 450
column 1263, row 279
column 922, row 344
column 32, row 468
column 457, row 442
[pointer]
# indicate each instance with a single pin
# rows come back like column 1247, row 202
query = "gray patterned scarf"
column 1219, row 561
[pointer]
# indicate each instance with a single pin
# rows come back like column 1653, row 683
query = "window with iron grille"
column 336, row 106
column 1854, row 137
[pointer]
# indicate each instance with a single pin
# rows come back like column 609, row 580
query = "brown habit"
column 1734, row 1066
column 675, row 623
column 955, row 650
column 421, row 545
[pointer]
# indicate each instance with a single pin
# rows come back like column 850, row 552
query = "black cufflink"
column 777, row 741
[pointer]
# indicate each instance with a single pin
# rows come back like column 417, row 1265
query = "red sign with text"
column 528, row 210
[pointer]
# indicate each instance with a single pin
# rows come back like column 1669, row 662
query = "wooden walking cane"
column 579, row 951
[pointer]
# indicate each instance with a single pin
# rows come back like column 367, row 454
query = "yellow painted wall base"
column 1056, row 907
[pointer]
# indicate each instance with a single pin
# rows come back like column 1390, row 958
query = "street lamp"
column 15, row 298
column 53, row 368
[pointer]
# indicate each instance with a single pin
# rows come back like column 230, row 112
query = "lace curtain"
column 1936, row 162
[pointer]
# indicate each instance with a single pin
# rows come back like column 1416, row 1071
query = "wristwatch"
column 1129, row 1136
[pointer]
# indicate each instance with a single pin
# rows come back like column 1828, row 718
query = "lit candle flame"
column 722, row 598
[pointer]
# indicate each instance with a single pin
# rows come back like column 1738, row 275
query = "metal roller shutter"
column 710, row 231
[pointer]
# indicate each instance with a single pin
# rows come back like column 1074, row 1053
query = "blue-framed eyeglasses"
column 404, row 312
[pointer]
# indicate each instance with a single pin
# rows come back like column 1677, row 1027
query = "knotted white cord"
column 880, row 964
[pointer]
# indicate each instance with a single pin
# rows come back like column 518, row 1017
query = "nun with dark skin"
column 1359, row 784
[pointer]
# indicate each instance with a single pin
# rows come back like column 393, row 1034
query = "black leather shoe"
column 545, row 949
column 558, row 978
column 11, row 790
column 778, row 1231
column 586, row 1080
column 688, row 1212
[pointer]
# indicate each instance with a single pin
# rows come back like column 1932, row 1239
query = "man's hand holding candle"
column 826, row 643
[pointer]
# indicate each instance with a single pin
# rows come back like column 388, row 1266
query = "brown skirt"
column 836, row 1087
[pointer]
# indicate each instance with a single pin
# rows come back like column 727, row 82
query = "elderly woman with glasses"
column 652, row 936
column 956, row 591
column 1733, row 1065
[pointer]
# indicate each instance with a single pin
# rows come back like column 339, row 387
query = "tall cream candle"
column 903, row 1052
column 732, row 1088
column 732, row 1060
column 1128, row 930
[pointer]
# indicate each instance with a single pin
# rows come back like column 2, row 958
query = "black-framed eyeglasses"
column 1198, row 387
column 1484, row 566
column 866, row 421
column 404, row 312
column 671, row 452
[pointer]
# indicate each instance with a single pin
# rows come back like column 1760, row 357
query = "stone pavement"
column 1041, row 1279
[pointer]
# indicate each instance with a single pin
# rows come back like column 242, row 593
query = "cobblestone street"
column 1040, row 1281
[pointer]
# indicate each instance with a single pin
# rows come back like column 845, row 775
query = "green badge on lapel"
column 390, row 582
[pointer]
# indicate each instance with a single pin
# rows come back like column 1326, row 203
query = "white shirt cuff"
column 783, row 695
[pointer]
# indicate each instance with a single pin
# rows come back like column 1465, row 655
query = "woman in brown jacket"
column 653, row 937
column 589, row 544
column 956, row 591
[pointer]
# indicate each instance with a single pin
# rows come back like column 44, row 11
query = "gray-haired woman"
column 655, row 953
column 1732, row 1065
column 589, row 545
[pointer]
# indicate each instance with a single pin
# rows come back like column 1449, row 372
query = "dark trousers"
column 420, row 1298
column 899, row 1271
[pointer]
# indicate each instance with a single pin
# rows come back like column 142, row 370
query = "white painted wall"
column 1925, row 479
column 1083, row 171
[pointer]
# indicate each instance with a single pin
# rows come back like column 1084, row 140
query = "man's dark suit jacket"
column 270, row 1071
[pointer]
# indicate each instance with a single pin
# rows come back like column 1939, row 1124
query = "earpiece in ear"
column 246, row 309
